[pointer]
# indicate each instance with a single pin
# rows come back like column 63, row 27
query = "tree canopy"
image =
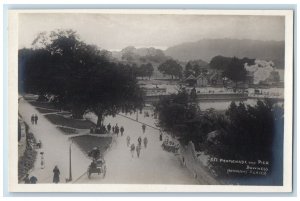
column 233, row 68
column 171, row 67
column 145, row 70
column 175, row 110
column 80, row 75
column 195, row 68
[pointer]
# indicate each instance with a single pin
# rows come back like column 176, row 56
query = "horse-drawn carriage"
column 97, row 166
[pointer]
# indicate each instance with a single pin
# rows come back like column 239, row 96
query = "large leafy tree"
column 220, row 62
column 175, row 110
column 171, row 67
column 235, row 71
column 80, row 75
column 195, row 68
column 232, row 68
column 115, row 90
column 146, row 70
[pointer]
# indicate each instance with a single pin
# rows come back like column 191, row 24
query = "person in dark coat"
column 160, row 136
column 138, row 150
column 108, row 128
column 117, row 129
column 26, row 179
column 56, row 174
column 144, row 128
column 33, row 180
column 145, row 142
column 32, row 119
column 35, row 118
column 122, row 130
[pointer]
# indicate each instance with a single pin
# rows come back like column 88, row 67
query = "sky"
column 117, row 31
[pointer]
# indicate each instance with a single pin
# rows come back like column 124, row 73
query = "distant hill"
column 206, row 49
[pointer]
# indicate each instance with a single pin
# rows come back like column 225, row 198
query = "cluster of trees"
column 176, row 109
column 145, row 70
column 195, row 68
column 80, row 76
column 172, row 68
column 232, row 67
column 243, row 132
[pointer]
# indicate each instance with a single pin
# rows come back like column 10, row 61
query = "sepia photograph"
column 151, row 100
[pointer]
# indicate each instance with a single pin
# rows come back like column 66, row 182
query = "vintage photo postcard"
column 150, row 100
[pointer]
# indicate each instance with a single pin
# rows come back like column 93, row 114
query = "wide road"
column 154, row 166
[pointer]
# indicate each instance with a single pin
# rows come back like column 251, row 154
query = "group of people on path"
column 137, row 147
column 115, row 129
column 34, row 119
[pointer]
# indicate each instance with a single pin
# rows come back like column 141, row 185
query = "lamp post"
column 70, row 162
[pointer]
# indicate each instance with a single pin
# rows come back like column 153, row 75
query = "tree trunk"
column 100, row 119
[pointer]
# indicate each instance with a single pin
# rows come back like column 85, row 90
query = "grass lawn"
column 86, row 143
column 73, row 123
column 42, row 110
column 68, row 131
column 44, row 105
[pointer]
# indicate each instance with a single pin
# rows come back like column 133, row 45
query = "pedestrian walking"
column 33, row 180
column 113, row 129
column 138, row 150
column 132, row 149
column 145, row 142
column 26, row 179
column 160, row 136
column 35, row 118
column 42, row 160
column 144, row 128
column 32, row 119
column 117, row 130
column 108, row 128
column 122, row 130
column 140, row 141
column 128, row 140
column 56, row 175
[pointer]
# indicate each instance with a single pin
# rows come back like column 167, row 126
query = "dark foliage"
column 80, row 76
column 195, row 68
column 233, row 68
column 171, row 67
